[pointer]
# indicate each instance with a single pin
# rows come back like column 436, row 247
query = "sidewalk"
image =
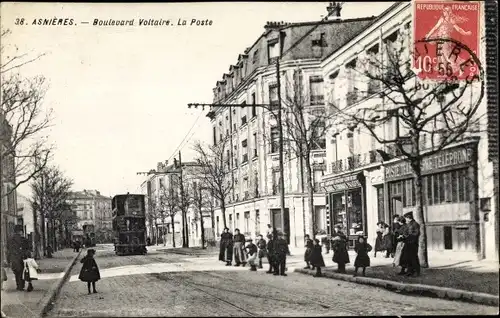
column 192, row 251
column 445, row 275
column 23, row 304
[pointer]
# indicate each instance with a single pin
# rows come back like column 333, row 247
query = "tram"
column 129, row 224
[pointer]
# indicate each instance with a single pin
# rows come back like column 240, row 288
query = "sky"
column 120, row 93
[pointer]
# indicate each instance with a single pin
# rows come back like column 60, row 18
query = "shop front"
column 450, row 196
column 345, row 202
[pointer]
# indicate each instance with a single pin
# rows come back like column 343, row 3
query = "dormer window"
column 273, row 50
column 255, row 57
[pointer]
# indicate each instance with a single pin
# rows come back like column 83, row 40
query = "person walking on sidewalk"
column 262, row 245
column 309, row 245
column 252, row 255
column 339, row 245
column 362, row 259
column 31, row 270
column 387, row 241
column 410, row 250
column 379, row 241
column 281, row 251
column 90, row 271
column 18, row 247
column 240, row 256
column 316, row 259
column 226, row 247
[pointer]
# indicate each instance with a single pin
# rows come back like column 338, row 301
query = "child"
column 316, row 259
column 362, row 259
column 280, row 252
column 339, row 245
column 252, row 255
column 89, row 272
column 309, row 247
column 31, row 270
column 261, row 244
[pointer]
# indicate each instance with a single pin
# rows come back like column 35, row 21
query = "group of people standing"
column 401, row 243
column 275, row 249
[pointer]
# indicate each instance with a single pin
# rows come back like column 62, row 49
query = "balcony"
column 243, row 120
column 317, row 99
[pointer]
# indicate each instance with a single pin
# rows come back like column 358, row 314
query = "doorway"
column 396, row 207
column 276, row 222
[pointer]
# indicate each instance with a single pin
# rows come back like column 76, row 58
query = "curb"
column 422, row 290
column 180, row 252
column 48, row 300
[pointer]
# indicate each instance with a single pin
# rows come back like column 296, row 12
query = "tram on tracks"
column 129, row 224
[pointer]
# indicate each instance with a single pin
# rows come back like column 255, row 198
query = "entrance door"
column 396, row 207
column 276, row 222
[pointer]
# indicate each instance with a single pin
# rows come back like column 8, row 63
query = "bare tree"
column 169, row 202
column 23, row 119
column 50, row 195
column 154, row 215
column 202, row 201
column 427, row 117
column 215, row 174
column 306, row 123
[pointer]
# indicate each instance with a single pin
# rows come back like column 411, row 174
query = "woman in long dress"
column 240, row 256
column 379, row 243
column 226, row 247
column 399, row 258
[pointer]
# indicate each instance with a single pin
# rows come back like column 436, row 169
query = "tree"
column 215, row 174
column 201, row 200
column 427, row 117
column 50, row 197
column 23, row 119
column 154, row 215
column 169, row 202
column 305, row 125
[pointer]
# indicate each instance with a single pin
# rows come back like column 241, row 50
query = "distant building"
column 25, row 213
column 93, row 209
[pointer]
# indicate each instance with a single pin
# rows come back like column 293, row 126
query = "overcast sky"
column 120, row 94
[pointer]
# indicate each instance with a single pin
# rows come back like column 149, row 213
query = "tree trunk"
column 304, row 218
column 419, row 216
column 42, row 240
column 310, row 194
column 223, row 210
column 212, row 218
column 62, row 238
column 173, row 230
column 187, row 229
column 36, row 242
column 156, row 234
column 202, row 224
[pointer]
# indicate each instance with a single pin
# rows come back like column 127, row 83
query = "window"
column 230, row 222
column 273, row 95
column 273, row 51
column 243, row 120
column 244, row 150
column 257, row 221
column 380, row 203
column 274, row 139
column 276, row 178
column 256, row 183
column 317, row 179
column 247, row 222
column 255, row 57
column 316, row 90
column 319, row 40
column 447, row 187
column 238, row 221
column 254, row 109
column 254, row 145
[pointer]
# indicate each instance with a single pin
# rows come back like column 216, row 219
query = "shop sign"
column 444, row 159
column 343, row 183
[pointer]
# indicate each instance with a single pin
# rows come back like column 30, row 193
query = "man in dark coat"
column 270, row 250
column 281, row 251
column 411, row 237
column 18, row 248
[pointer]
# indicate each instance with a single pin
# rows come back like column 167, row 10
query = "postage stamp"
column 445, row 35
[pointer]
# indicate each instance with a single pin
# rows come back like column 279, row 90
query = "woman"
column 240, row 256
column 387, row 241
column 316, row 258
column 379, row 243
column 339, row 246
column 399, row 257
column 309, row 245
column 226, row 247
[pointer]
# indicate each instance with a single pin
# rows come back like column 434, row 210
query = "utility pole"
column 281, row 144
column 185, row 241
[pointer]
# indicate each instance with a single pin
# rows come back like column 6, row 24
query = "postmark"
column 441, row 32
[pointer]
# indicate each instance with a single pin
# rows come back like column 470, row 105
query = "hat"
column 408, row 215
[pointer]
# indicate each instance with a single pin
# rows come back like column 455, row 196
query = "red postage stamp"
column 446, row 37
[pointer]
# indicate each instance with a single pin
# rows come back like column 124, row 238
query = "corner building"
column 253, row 152
column 363, row 188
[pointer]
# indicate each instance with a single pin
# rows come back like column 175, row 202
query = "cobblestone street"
column 166, row 284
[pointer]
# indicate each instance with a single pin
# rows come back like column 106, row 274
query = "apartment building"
column 253, row 152
column 93, row 209
column 363, row 186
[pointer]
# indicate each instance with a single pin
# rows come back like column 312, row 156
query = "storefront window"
column 339, row 210
column 380, row 203
column 355, row 212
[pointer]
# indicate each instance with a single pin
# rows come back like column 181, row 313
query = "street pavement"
column 167, row 284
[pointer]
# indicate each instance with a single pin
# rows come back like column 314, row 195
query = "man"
column 270, row 250
column 411, row 237
column 281, row 251
column 270, row 231
column 18, row 248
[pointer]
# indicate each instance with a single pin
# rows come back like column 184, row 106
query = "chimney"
column 333, row 10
